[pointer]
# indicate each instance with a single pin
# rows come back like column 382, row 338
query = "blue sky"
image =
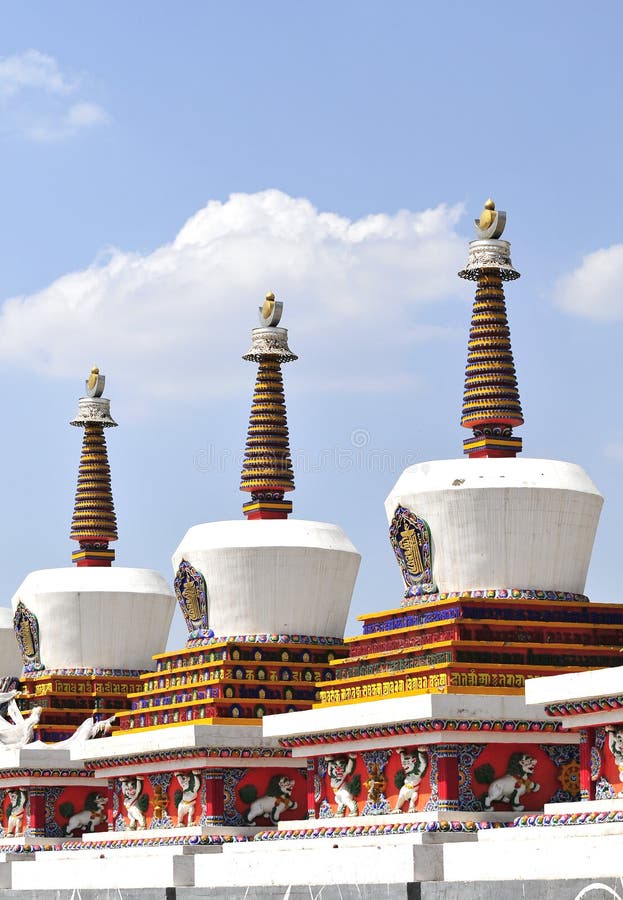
column 359, row 140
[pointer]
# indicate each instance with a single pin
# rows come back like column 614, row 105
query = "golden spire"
column 267, row 467
column 491, row 405
column 94, row 523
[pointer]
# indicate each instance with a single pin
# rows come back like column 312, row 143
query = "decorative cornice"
column 580, row 818
column 42, row 773
column 416, row 596
column 419, row 727
column 377, row 829
column 489, row 256
column 93, row 411
column 81, row 672
column 122, row 840
column 195, row 639
column 584, row 707
column 157, row 756
column 270, row 342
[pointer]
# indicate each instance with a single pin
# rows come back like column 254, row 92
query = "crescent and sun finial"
column 270, row 311
column 491, row 223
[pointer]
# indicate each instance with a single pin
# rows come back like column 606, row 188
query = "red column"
column 36, row 804
column 312, row 769
column 110, row 809
column 447, row 776
column 214, row 796
column 587, row 785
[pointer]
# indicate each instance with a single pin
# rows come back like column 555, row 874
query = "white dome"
column 503, row 523
column 283, row 576
column 10, row 657
column 101, row 617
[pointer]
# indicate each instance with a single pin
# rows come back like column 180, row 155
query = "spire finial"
column 267, row 468
column 491, row 405
column 94, row 523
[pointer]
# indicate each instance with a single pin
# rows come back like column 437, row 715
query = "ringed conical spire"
column 267, row 467
column 491, row 405
column 94, row 523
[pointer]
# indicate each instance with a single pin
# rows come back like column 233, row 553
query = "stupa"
column 494, row 551
column 265, row 599
column 87, row 632
column 409, row 748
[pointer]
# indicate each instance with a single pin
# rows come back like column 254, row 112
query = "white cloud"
column 33, row 69
column 39, row 101
column 175, row 321
column 78, row 117
column 595, row 289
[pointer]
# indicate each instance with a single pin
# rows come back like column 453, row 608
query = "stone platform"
column 503, row 863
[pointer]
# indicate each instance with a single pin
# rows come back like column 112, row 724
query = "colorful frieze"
column 409, row 779
column 517, row 777
column 607, row 762
column 476, row 641
column 376, row 782
column 233, row 681
column 200, row 796
column 271, row 798
column 79, row 810
column 67, row 698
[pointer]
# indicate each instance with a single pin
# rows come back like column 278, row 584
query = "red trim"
column 95, row 563
column 268, row 514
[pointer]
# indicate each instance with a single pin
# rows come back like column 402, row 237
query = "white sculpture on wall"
column 20, row 730
column 186, row 797
column 16, row 812
column 134, row 801
column 6, row 695
column 86, row 731
column 414, row 764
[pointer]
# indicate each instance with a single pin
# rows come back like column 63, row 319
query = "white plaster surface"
column 582, row 806
column 180, row 737
column 377, row 864
column 504, row 523
column 575, row 686
column 273, row 576
column 30, row 757
column 10, row 657
column 579, row 856
column 402, row 709
column 49, row 873
column 114, row 618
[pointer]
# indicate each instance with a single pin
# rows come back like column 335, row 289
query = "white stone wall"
column 504, row 523
column 99, row 617
column 283, row 576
